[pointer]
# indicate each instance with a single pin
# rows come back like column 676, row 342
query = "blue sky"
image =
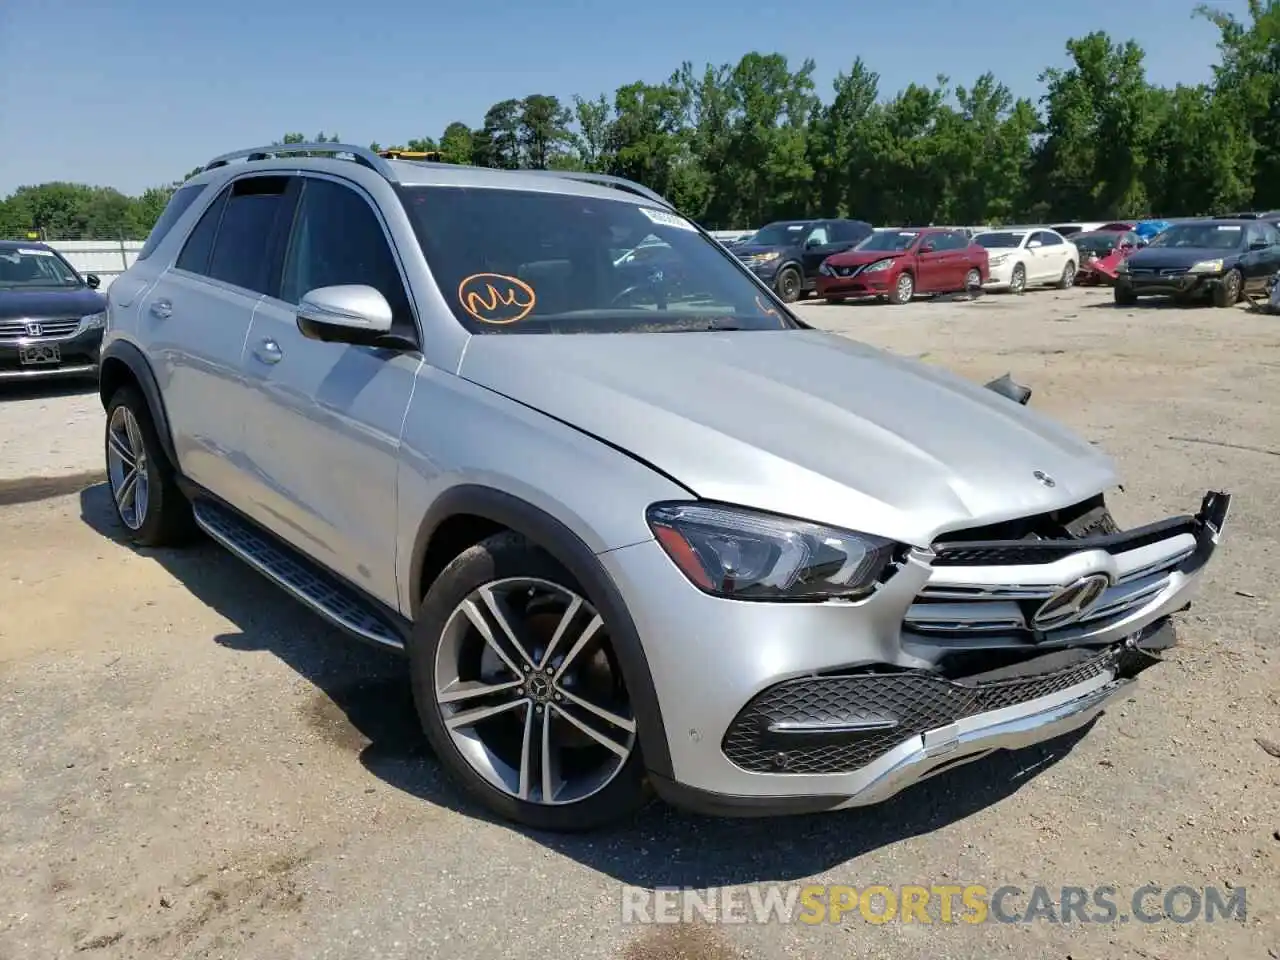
column 133, row 93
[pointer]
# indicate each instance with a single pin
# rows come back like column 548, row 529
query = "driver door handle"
column 268, row 351
column 161, row 309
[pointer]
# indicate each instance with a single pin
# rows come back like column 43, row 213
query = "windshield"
column 35, row 267
column 1216, row 236
column 778, row 235
column 1003, row 238
column 518, row 261
column 889, row 241
column 1096, row 242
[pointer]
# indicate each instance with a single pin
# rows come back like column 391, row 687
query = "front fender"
column 122, row 362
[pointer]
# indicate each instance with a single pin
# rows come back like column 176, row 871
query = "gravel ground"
column 191, row 765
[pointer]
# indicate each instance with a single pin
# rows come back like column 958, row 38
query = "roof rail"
column 361, row 155
column 605, row 180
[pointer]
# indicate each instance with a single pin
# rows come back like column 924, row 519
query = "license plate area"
column 39, row 354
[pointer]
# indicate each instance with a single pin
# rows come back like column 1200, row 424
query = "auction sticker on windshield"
column 665, row 218
column 496, row 298
column 32, row 252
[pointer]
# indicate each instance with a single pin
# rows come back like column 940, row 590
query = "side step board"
column 308, row 582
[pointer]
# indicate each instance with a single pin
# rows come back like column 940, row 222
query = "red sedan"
column 900, row 262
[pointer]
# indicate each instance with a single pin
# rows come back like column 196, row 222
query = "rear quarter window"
column 178, row 204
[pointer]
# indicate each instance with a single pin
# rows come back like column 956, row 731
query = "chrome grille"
column 23, row 329
column 956, row 609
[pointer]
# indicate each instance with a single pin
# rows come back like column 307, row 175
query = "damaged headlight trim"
column 744, row 554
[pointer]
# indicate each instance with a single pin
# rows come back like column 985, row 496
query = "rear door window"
column 250, row 222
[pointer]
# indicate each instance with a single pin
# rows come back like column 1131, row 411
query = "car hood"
column 802, row 423
column 50, row 304
column 1158, row 257
column 858, row 258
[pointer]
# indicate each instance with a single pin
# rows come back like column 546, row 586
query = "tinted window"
column 195, row 252
column 337, row 239
column 182, row 198
column 1271, row 234
column 240, row 254
column 999, row 239
column 1204, row 236
column 819, row 235
column 780, row 234
column 950, row 240
column 842, row 231
column 516, row 261
column 1049, row 239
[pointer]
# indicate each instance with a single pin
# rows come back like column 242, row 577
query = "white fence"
column 106, row 258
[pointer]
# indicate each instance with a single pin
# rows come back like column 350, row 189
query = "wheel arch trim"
column 122, row 351
column 568, row 548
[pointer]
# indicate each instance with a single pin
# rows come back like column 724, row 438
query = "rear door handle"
column 268, row 351
column 161, row 309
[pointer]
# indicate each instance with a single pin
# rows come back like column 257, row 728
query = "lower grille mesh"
column 919, row 701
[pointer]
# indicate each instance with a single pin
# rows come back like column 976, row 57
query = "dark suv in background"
column 787, row 254
column 51, row 318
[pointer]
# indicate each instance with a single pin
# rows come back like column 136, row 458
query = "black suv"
column 51, row 318
column 787, row 254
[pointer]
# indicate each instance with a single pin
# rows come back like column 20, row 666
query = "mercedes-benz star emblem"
column 1071, row 603
column 1045, row 479
column 539, row 688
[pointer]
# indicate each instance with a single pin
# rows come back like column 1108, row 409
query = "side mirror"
column 812, row 242
column 92, row 281
column 350, row 313
column 1259, row 245
column 1006, row 386
column 1032, row 244
column 927, row 247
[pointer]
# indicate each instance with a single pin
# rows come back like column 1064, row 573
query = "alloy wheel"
column 972, row 279
column 1018, row 280
column 127, row 467
column 531, row 694
column 906, row 287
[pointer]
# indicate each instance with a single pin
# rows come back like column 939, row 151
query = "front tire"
column 1227, row 293
column 904, row 289
column 1018, row 280
column 519, row 693
column 788, row 284
column 1124, row 297
column 143, row 484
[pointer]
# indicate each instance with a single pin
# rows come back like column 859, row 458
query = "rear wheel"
column 143, row 485
column 1125, row 297
column 904, row 289
column 1068, row 276
column 788, row 284
column 972, row 279
column 520, row 693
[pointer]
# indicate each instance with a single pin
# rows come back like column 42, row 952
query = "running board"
column 304, row 579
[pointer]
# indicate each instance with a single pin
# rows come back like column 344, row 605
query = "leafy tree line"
column 741, row 144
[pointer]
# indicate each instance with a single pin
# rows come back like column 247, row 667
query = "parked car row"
column 844, row 259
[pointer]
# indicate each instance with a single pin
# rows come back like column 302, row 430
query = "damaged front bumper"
column 988, row 660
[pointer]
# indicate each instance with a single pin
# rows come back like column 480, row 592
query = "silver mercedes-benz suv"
column 634, row 524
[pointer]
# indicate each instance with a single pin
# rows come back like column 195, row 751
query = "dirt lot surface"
column 191, row 765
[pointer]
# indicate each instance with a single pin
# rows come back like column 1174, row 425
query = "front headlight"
column 764, row 257
column 997, row 260
column 879, row 265
column 825, row 269
column 1207, row 266
column 744, row 555
column 94, row 321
